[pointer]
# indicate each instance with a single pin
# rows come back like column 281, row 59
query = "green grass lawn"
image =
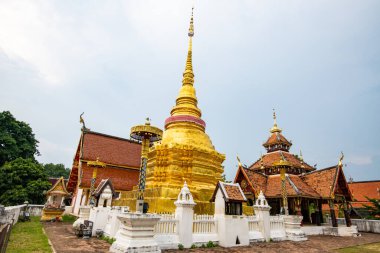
column 366, row 248
column 28, row 237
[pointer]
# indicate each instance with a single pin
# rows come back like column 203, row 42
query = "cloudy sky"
column 316, row 62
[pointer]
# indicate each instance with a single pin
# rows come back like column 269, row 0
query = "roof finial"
column 301, row 157
column 81, row 120
column 275, row 129
column 237, row 157
column 340, row 164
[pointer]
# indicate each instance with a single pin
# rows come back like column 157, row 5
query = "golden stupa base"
column 161, row 200
column 52, row 214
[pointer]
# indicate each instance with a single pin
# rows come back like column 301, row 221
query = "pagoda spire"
column 186, row 103
column 275, row 129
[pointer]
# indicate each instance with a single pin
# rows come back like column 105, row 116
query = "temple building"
column 290, row 184
column 185, row 153
column 99, row 157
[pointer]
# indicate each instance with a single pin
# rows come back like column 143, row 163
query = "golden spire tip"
column 275, row 128
column 191, row 28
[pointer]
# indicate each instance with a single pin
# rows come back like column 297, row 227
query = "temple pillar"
column 184, row 214
column 262, row 209
column 334, row 222
column 320, row 211
column 346, row 214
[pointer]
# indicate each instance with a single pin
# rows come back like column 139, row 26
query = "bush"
column 210, row 244
column 180, row 246
column 108, row 239
column 193, row 246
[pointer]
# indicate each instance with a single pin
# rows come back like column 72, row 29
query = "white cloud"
column 360, row 159
column 54, row 152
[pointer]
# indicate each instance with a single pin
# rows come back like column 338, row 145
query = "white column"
column 184, row 214
column 262, row 209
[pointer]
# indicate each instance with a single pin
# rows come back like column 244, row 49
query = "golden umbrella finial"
column 191, row 28
column 275, row 129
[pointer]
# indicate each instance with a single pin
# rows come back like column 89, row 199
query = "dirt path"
column 314, row 244
column 64, row 241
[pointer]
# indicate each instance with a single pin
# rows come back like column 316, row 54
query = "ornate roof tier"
column 276, row 140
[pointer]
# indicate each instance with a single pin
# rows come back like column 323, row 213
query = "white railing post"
column 184, row 214
column 262, row 209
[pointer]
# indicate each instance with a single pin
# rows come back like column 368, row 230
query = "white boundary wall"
column 372, row 226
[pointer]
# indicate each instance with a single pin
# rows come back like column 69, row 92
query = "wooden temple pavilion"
column 292, row 186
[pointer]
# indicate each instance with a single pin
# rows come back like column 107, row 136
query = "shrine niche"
column 105, row 193
column 54, row 206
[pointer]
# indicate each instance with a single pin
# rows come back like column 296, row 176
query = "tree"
column 223, row 179
column 56, row 170
column 16, row 139
column 23, row 180
column 373, row 209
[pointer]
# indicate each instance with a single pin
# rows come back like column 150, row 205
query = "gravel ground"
column 63, row 239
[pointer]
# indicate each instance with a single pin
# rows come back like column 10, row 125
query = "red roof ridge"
column 369, row 181
column 111, row 136
column 315, row 171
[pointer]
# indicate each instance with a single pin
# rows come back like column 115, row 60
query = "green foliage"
column 16, row 139
column 193, row 246
column 210, row 244
column 373, row 209
column 180, row 246
column 56, row 170
column 203, row 246
column 69, row 218
column 108, row 239
column 22, row 180
column 223, row 179
column 28, row 237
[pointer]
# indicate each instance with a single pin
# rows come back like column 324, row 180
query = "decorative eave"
column 58, row 188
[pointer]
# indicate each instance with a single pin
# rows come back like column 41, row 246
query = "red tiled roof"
column 230, row 192
column 360, row 190
column 117, row 153
column 258, row 180
column 111, row 150
column 234, row 193
column 272, row 157
column 276, row 138
column 294, row 187
column 322, row 180
column 317, row 184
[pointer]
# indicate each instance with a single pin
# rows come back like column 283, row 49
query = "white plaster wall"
column 78, row 198
column 11, row 212
column 35, row 210
column 99, row 216
column 219, row 203
column 230, row 227
column 113, row 223
column 364, row 225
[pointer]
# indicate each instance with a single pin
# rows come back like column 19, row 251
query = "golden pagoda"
column 185, row 152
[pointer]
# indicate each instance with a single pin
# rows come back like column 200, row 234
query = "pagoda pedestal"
column 136, row 233
column 293, row 228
